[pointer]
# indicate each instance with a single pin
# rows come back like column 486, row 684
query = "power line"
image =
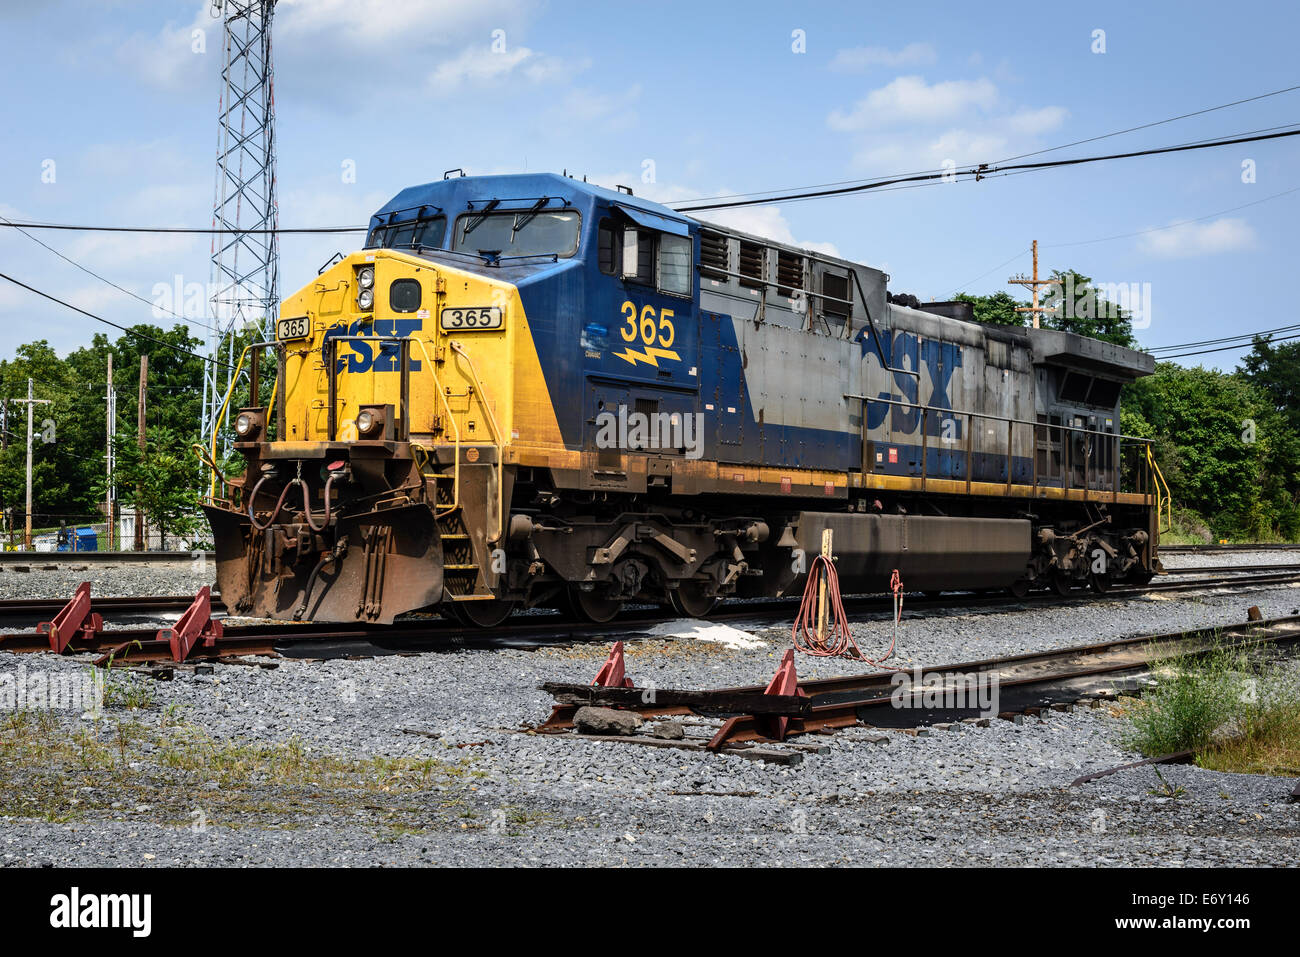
column 208, row 230
column 982, row 170
column 107, row 322
column 971, row 282
column 91, row 272
column 1184, row 222
column 1201, row 352
column 1243, row 336
column 1147, row 126
column 1050, row 149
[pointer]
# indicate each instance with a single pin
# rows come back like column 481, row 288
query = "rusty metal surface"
column 1029, row 682
column 75, row 617
column 384, row 562
column 1178, row 757
column 194, row 626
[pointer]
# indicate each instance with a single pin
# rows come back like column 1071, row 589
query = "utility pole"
column 1022, row 280
column 139, row 420
column 31, row 403
column 110, row 427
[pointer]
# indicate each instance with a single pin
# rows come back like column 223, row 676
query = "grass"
column 60, row 771
column 1240, row 715
column 1270, row 725
column 1193, row 698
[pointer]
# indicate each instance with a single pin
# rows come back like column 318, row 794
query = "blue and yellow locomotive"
column 530, row 390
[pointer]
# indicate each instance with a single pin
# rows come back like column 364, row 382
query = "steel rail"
column 1029, row 681
column 527, row 630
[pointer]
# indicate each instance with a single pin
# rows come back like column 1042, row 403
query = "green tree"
column 1275, row 371
column 1079, row 307
column 160, row 481
column 998, row 309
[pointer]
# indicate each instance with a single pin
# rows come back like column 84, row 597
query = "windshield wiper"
column 477, row 221
column 528, row 217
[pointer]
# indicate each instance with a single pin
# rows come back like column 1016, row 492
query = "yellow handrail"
column 496, row 436
column 1164, row 502
column 437, row 388
column 212, row 488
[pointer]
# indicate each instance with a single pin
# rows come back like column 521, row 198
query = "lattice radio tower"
column 245, row 289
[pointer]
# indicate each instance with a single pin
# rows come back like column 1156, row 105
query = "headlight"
column 250, row 423
column 371, row 422
column 366, row 299
column 366, row 277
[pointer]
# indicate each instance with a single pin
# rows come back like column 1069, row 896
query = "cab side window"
column 607, row 245
column 674, row 264
column 662, row 260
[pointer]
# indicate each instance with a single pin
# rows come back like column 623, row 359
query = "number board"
column 470, row 318
column 295, row 328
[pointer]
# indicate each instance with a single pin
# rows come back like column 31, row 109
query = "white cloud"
column 168, row 58
column 110, row 251
column 313, row 38
column 1226, row 235
column 858, row 59
column 585, row 106
column 921, row 118
column 479, row 65
column 909, row 99
column 375, row 24
column 768, row 222
column 1035, row 122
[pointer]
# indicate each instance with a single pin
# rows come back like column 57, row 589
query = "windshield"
column 520, row 233
column 420, row 232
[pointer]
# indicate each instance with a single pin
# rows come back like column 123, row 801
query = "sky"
column 110, row 118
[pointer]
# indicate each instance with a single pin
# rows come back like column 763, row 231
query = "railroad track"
column 975, row 691
column 415, row 635
column 53, row 560
column 1239, row 547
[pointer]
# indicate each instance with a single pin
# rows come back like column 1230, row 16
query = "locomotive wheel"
column 1019, row 588
column 487, row 613
column 1061, row 584
column 594, row 607
column 1100, row 583
column 690, row 601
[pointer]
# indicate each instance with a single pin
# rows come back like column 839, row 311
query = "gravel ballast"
column 436, row 771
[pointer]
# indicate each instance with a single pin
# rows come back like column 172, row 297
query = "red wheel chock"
column 784, row 682
column 611, row 672
column 76, row 620
column 195, row 625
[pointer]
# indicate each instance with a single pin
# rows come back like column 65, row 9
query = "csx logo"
column 365, row 356
column 907, row 351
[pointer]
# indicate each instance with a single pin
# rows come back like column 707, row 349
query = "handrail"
column 1117, row 465
column 225, row 403
column 1167, row 499
column 437, row 387
column 991, row 415
column 496, row 436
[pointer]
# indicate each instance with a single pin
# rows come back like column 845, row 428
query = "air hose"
column 838, row 641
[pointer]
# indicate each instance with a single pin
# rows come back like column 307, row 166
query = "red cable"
column 838, row 642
